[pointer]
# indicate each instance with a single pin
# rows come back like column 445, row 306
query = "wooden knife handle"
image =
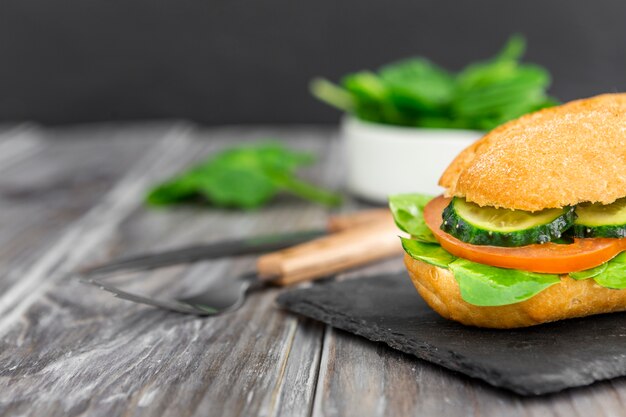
column 349, row 221
column 331, row 254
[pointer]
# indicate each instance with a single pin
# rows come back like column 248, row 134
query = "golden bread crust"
column 569, row 299
column 555, row 157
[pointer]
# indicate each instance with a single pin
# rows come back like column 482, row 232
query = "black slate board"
column 530, row 361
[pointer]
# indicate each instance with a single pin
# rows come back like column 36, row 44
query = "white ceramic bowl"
column 384, row 160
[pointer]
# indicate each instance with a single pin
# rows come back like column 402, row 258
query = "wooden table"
column 72, row 196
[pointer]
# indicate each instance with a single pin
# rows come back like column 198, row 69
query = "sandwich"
column 531, row 227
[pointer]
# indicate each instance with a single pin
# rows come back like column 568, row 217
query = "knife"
column 321, row 257
column 235, row 247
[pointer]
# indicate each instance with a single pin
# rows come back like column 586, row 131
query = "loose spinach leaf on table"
column 242, row 177
column 417, row 92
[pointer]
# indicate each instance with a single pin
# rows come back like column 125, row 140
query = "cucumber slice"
column 477, row 225
column 600, row 220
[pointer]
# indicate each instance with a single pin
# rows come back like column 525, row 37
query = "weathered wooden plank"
column 88, row 232
column 294, row 394
column 42, row 192
column 101, row 356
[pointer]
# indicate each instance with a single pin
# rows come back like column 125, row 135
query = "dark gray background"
column 235, row 61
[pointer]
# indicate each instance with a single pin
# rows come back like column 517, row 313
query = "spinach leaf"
column 589, row 273
column 611, row 274
column 407, row 210
column 417, row 92
column 418, row 85
column 333, row 94
column 481, row 285
column 614, row 276
column 484, row 285
column 242, row 177
column 428, row 252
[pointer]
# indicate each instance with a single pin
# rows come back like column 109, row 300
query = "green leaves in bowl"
column 417, row 92
column 245, row 177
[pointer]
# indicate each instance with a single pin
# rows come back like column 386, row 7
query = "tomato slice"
column 549, row 257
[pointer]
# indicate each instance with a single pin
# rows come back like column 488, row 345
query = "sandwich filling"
column 471, row 223
column 501, row 256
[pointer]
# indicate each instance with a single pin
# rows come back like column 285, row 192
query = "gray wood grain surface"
column 72, row 196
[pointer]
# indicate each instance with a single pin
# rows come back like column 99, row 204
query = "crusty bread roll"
column 556, row 157
column 568, row 299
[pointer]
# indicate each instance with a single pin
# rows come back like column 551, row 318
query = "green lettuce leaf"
column 428, row 252
column 481, row 285
column 611, row 274
column 407, row 210
column 484, row 285
column 589, row 273
column 614, row 276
